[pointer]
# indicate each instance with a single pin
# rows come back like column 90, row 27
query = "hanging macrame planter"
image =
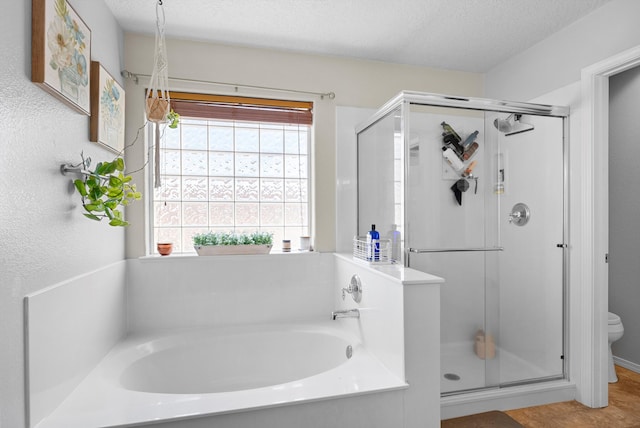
column 157, row 98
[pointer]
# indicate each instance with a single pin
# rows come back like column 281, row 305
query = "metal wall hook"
column 80, row 168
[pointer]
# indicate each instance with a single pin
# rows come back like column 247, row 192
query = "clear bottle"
column 396, row 243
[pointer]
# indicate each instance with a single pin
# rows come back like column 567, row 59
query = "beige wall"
column 356, row 83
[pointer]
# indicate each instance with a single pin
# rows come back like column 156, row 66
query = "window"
column 233, row 164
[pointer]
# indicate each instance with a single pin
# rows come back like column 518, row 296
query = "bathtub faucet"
column 347, row 313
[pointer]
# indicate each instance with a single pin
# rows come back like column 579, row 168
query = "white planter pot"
column 222, row 250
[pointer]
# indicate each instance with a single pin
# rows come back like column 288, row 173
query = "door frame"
column 594, row 225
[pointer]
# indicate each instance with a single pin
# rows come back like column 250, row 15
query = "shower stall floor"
column 461, row 369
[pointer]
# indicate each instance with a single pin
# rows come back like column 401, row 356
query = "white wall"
column 624, row 234
column 355, row 82
column 557, row 60
column 45, row 237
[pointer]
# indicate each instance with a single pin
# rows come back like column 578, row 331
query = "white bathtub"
column 187, row 374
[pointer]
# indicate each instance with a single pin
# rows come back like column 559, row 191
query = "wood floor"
column 623, row 410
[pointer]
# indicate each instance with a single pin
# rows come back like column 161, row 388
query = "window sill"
column 182, row 256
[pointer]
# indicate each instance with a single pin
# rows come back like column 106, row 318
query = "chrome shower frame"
column 404, row 99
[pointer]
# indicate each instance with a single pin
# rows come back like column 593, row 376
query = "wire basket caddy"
column 362, row 250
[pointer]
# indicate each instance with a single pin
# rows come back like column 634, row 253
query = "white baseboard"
column 626, row 364
column 514, row 397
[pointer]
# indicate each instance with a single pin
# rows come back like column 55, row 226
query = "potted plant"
column 222, row 243
column 105, row 190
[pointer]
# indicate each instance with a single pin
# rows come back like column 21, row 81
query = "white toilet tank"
column 614, row 319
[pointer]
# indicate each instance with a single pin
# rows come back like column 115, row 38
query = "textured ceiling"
column 467, row 35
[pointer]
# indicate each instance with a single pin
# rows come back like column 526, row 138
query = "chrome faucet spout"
column 347, row 313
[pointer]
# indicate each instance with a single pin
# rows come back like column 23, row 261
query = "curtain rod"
column 135, row 76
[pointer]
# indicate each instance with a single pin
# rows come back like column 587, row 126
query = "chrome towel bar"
column 452, row 250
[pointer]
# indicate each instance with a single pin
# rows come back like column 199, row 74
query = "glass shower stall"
column 477, row 190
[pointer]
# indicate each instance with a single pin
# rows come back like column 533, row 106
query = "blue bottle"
column 373, row 244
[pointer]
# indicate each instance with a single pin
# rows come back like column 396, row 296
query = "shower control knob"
column 354, row 288
column 519, row 214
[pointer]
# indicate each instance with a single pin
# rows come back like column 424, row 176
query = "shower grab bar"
column 452, row 250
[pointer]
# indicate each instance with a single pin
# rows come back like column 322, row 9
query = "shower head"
column 512, row 125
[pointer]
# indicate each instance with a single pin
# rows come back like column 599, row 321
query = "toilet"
column 616, row 330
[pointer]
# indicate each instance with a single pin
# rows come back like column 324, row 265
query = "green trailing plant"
column 174, row 119
column 223, row 238
column 105, row 190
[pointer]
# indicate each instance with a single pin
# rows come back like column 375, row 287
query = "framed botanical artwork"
column 107, row 109
column 61, row 52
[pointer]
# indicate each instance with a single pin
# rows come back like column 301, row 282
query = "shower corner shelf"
column 360, row 251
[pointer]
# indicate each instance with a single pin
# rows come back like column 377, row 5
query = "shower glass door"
column 530, row 172
column 502, row 302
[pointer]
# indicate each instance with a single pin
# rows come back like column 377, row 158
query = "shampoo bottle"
column 469, row 140
column 452, row 159
column 470, row 151
column 373, row 244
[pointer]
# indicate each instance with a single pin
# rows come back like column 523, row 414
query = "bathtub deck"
column 100, row 401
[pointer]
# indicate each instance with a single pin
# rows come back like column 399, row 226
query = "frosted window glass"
column 247, row 140
column 295, row 190
column 247, row 164
column 295, row 166
column 195, row 188
column 271, row 190
column 172, row 138
column 295, row 142
column 247, row 189
column 221, row 175
column 187, row 237
column 293, row 214
column 170, row 162
column 170, row 189
column 194, row 137
column 221, row 164
column 271, row 140
column 294, row 233
column 221, row 214
column 271, row 165
column 195, row 214
column 168, row 214
column 271, row 214
column 221, row 189
column 247, row 214
column 194, row 163
column 221, row 138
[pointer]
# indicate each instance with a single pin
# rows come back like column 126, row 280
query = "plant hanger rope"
column 157, row 97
